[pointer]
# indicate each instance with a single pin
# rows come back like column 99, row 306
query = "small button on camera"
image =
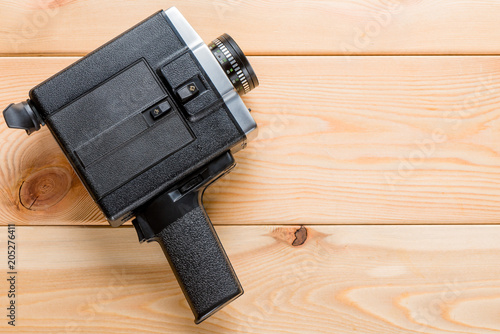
column 161, row 110
column 187, row 92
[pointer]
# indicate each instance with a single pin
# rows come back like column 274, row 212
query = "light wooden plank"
column 342, row 279
column 359, row 140
column 296, row 27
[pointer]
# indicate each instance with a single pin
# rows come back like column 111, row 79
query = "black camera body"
column 148, row 121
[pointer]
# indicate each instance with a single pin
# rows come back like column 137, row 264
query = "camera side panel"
column 108, row 114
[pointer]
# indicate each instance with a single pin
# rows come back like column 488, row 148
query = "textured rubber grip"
column 199, row 263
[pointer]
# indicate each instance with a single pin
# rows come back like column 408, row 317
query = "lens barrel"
column 234, row 62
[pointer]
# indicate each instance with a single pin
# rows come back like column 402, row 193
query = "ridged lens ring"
column 234, row 62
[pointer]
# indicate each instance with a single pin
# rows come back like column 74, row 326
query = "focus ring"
column 233, row 63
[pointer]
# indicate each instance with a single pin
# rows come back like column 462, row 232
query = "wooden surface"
column 341, row 279
column 263, row 27
column 369, row 203
column 367, row 140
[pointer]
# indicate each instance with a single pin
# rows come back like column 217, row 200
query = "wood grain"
column 341, row 279
column 371, row 141
column 294, row 27
column 343, row 140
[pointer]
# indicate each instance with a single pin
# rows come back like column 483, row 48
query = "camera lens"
column 234, row 62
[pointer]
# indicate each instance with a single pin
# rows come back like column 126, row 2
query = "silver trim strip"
column 220, row 80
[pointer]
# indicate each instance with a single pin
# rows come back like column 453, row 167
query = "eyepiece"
column 22, row 116
column 234, row 62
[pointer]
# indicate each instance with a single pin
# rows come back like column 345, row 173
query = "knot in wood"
column 45, row 188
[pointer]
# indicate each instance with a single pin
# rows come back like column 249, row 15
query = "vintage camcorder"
column 148, row 121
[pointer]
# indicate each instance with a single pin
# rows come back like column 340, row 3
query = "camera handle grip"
column 191, row 245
